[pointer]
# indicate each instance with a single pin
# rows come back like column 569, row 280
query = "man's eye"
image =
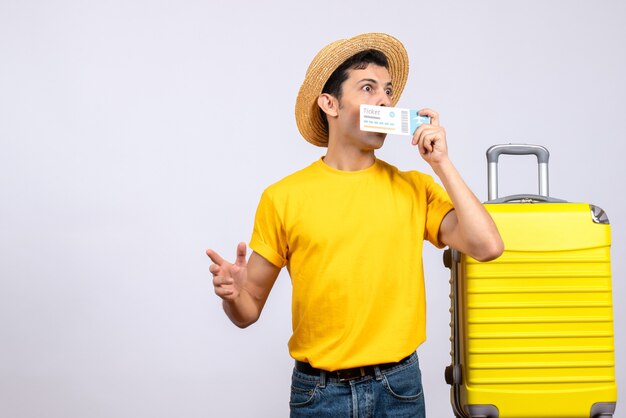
column 388, row 92
column 367, row 88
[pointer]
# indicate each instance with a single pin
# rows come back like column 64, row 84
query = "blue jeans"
column 394, row 392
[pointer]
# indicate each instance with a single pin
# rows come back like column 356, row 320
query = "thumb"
column 241, row 254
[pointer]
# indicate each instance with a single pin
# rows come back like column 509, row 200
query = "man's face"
column 372, row 86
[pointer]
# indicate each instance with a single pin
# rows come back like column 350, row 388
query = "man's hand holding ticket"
column 390, row 120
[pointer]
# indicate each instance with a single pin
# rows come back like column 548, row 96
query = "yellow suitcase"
column 532, row 332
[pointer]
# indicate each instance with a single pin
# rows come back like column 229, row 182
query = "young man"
column 350, row 229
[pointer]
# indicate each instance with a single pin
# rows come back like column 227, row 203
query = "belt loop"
column 322, row 379
column 378, row 373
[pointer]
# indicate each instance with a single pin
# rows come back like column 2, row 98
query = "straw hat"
column 326, row 61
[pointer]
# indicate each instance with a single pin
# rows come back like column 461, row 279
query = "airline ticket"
column 391, row 120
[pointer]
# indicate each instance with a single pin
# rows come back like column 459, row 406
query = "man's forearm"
column 242, row 311
column 476, row 234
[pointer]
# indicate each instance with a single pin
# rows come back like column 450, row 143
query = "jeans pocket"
column 404, row 384
column 302, row 392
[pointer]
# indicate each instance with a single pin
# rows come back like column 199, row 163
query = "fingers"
column 224, row 287
column 431, row 143
column 221, row 281
column 241, row 254
column 429, row 140
column 215, row 257
column 240, row 260
column 224, row 273
column 434, row 116
column 427, row 133
column 225, row 292
column 220, row 266
column 215, row 270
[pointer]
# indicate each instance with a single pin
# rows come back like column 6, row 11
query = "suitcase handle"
column 494, row 152
column 525, row 198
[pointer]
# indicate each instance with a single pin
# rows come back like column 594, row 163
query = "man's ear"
column 328, row 103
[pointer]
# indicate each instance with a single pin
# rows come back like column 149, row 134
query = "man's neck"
column 348, row 158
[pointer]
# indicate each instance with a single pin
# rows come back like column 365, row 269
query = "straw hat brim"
column 308, row 117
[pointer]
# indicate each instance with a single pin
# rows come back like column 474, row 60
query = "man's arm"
column 469, row 227
column 243, row 286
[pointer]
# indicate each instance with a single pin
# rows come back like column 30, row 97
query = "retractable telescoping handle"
column 493, row 153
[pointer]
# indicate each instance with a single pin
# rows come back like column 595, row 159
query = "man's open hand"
column 229, row 279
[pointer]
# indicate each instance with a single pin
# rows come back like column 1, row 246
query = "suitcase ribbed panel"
column 540, row 322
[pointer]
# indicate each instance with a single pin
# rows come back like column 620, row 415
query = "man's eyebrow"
column 371, row 80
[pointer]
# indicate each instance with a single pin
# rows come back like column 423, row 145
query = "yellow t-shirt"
column 352, row 242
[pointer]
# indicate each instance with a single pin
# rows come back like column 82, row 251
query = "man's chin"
column 377, row 139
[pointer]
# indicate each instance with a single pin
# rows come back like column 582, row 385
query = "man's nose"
column 385, row 100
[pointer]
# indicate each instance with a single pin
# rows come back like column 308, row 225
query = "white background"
column 136, row 134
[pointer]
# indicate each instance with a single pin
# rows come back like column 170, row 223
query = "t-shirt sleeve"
column 439, row 205
column 268, row 236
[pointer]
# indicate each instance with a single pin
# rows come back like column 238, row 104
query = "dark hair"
column 358, row 61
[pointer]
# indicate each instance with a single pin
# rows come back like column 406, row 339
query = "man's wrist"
column 442, row 167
